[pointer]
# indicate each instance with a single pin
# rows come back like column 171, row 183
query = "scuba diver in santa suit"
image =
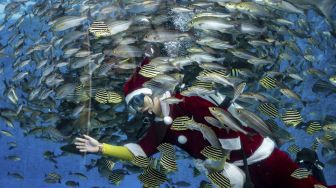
column 267, row 165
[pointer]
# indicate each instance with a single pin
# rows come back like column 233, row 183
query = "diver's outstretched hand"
column 87, row 144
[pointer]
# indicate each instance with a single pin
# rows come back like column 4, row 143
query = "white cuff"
column 265, row 150
column 135, row 149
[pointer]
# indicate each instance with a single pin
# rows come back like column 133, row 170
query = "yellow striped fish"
column 292, row 118
column 159, row 176
column 313, row 127
column 79, row 89
column 166, row 149
column 108, row 164
column 315, row 145
column 223, row 73
column 115, row 178
column 141, row 161
column 211, row 152
column 179, row 123
column 149, row 71
column 113, row 97
column 148, row 181
column 300, row 173
column 268, row 82
column 219, row 179
column 101, row 96
column 80, row 94
column 201, row 84
column 269, row 110
column 168, row 162
column 293, row 149
column 99, row 29
column 235, row 72
column 328, row 137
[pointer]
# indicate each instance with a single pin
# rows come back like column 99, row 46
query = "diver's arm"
column 89, row 144
column 120, row 152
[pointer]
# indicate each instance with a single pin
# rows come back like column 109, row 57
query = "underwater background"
column 25, row 25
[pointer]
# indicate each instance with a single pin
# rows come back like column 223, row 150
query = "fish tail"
column 327, row 7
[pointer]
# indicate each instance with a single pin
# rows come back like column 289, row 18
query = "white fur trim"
column 135, row 149
column 265, row 150
column 231, row 143
column 236, row 175
column 182, row 139
column 167, row 120
column 143, row 90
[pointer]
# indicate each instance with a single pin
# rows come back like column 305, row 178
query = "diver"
column 267, row 166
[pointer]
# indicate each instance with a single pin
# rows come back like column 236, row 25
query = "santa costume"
column 268, row 166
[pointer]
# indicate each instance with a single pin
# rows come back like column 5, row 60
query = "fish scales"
column 314, row 127
column 166, row 149
column 292, row 117
column 219, row 179
column 213, row 153
column 168, row 162
column 269, row 109
column 179, row 123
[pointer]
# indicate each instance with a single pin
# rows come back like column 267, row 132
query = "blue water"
column 34, row 167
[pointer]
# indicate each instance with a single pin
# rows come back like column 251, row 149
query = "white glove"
column 87, row 144
column 236, row 176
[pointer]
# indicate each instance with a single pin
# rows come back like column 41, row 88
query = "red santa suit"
column 268, row 166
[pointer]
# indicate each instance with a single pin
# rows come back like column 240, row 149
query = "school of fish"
column 64, row 77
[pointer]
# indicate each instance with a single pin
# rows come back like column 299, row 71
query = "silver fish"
column 67, row 22
column 250, row 119
column 226, row 118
